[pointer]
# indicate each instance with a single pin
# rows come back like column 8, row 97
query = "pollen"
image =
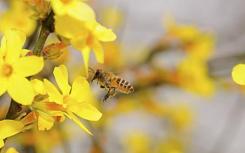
column 7, row 70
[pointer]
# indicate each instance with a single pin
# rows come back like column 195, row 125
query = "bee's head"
column 97, row 74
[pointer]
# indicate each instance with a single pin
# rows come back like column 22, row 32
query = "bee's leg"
column 102, row 86
column 111, row 92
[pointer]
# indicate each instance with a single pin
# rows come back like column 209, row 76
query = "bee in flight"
column 111, row 82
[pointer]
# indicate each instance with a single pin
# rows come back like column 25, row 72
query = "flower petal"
column 20, row 89
column 82, row 12
column 86, row 111
column 54, row 94
column 73, row 117
column 14, row 42
column 73, row 29
column 28, row 66
column 38, row 87
column 76, row 9
column 99, row 52
column 104, row 34
column 81, row 90
column 238, row 74
column 44, row 122
column 61, row 77
column 10, row 128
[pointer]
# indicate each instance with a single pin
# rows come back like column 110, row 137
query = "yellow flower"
column 181, row 116
column 14, row 69
column 73, row 14
column 19, row 17
column 184, row 33
column 91, row 41
column 112, row 17
column 9, row 128
column 12, row 150
column 171, row 145
column 81, row 28
column 193, row 76
column 75, row 100
column 238, row 74
column 138, row 143
column 201, row 48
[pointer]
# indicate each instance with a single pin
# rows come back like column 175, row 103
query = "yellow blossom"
column 19, row 17
column 181, row 116
column 238, row 74
column 9, row 128
column 193, row 76
column 184, row 33
column 201, row 48
column 91, row 41
column 112, row 17
column 170, row 145
column 14, row 69
column 138, row 142
column 72, row 101
column 84, row 33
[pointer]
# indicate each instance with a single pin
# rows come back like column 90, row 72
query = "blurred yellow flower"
column 14, row 68
column 170, row 145
column 9, row 128
column 19, row 17
column 184, row 33
column 113, row 55
column 112, row 17
column 12, row 150
column 238, row 74
column 74, row 100
column 201, row 48
column 138, row 142
column 181, row 116
column 193, row 76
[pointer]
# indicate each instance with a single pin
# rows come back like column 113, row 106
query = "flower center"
column 66, row 1
column 90, row 40
column 7, row 70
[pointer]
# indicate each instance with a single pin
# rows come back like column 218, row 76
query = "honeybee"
column 112, row 83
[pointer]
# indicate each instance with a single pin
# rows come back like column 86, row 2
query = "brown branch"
column 46, row 29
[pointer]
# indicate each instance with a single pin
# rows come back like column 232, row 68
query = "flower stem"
column 46, row 28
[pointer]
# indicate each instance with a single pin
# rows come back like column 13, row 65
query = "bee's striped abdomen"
column 123, row 85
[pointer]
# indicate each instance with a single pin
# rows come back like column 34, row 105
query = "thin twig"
column 46, row 29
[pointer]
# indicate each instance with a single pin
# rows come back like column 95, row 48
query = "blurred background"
column 178, row 55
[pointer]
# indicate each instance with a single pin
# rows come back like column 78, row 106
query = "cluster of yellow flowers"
column 75, row 23
column 192, row 72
